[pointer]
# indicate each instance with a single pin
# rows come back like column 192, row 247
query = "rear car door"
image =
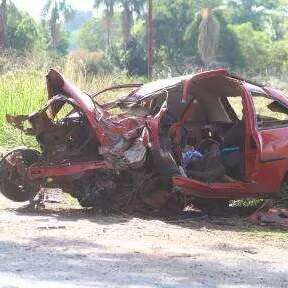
column 271, row 151
column 236, row 189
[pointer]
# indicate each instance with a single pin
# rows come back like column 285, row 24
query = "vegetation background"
column 108, row 45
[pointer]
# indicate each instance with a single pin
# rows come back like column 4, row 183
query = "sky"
column 34, row 7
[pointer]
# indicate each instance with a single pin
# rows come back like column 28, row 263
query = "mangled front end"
column 102, row 160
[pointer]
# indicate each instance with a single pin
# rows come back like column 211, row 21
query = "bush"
column 91, row 36
column 23, row 33
column 91, row 62
column 27, row 36
column 279, row 56
column 255, row 47
column 135, row 58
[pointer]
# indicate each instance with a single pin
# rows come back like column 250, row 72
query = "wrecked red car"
column 202, row 139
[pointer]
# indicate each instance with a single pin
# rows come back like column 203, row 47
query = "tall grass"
column 20, row 93
column 23, row 91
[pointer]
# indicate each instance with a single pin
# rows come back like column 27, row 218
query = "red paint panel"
column 66, row 169
column 234, row 190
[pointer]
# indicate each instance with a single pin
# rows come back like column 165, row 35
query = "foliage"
column 78, row 19
column 55, row 13
column 229, row 53
column 23, row 33
column 91, row 34
column 3, row 24
column 279, row 55
column 135, row 58
column 172, row 46
column 90, row 62
column 255, row 46
column 257, row 12
column 28, row 35
column 248, row 35
column 128, row 8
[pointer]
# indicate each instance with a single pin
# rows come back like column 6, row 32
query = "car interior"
column 207, row 130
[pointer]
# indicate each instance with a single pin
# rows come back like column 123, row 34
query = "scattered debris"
column 277, row 218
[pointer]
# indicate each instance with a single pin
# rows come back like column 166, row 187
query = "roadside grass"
column 20, row 93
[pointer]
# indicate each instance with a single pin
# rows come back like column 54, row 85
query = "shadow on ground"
column 43, row 261
column 235, row 220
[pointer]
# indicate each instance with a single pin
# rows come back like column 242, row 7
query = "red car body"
column 266, row 157
column 264, row 154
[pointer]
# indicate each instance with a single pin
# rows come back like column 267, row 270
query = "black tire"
column 14, row 186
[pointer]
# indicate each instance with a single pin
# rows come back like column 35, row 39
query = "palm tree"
column 55, row 12
column 209, row 30
column 3, row 24
column 128, row 7
column 108, row 12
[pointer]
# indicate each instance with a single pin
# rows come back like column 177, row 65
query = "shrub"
column 255, row 46
column 91, row 62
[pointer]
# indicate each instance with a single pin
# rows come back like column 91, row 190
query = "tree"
column 250, row 11
column 255, row 46
column 129, row 7
column 134, row 58
column 55, row 13
column 27, row 35
column 209, row 31
column 22, row 33
column 171, row 19
column 3, row 24
column 108, row 12
column 91, row 36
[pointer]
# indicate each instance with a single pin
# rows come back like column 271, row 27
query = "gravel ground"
column 63, row 247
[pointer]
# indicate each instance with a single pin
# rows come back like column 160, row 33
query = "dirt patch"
column 63, row 247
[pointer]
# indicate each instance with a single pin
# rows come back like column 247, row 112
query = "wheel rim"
column 13, row 185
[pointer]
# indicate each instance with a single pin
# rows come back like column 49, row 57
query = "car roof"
column 153, row 87
column 161, row 85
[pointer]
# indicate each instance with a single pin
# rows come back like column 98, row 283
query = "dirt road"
column 61, row 248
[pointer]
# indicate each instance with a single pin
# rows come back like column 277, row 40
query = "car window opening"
column 209, row 142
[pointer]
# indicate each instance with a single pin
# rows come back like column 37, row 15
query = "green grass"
column 20, row 93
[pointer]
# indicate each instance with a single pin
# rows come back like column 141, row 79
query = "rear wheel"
column 14, row 184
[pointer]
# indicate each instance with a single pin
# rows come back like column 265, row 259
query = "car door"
column 235, row 189
column 271, row 147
